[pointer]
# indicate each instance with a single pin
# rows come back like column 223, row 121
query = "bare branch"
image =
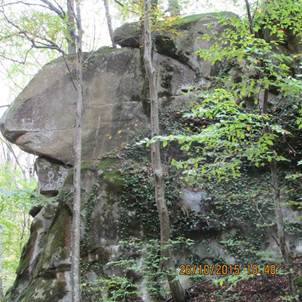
column 60, row 7
column 48, row 5
column 10, row 148
column 59, row 11
column 21, row 2
column 35, row 44
column 41, row 43
column 23, row 62
column 119, row 3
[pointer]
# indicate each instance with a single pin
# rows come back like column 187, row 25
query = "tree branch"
column 119, row 3
column 59, row 11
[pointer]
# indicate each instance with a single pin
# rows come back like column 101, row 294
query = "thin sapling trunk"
column 176, row 289
column 76, row 222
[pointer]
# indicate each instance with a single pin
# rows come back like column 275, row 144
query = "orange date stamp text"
column 204, row 269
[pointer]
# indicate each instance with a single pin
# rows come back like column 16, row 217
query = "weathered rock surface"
column 117, row 186
column 181, row 41
column 43, row 273
column 41, row 122
column 51, row 176
column 41, row 119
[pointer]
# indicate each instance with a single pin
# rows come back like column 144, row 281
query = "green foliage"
column 138, row 259
column 128, row 7
column 232, row 279
column 229, row 136
column 235, row 204
column 246, row 120
column 115, row 289
column 160, row 20
column 16, row 198
column 110, row 173
column 244, row 206
column 138, row 208
column 33, row 28
column 151, row 268
column 29, row 38
column 44, row 26
column 279, row 17
column 229, row 126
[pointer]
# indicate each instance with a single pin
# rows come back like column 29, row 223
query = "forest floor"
column 256, row 289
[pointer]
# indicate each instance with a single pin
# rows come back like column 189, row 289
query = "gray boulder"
column 51, row 176
column 41, row 120
column 180, row 41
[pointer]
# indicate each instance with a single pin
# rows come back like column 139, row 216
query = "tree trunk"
column 280, row 226
column 109, row 22
column 76, row 221
column 1, row 270
column 177, row 291
column 174, row 7
column 249, row 15
column 285, row 251
column 1, row 287
column 71, row 39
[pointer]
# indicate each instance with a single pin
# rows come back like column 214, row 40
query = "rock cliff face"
column 117, row 187
column 42, row 117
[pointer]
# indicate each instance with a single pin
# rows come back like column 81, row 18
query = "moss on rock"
column 110, row 172
column 57, row 242
column 41, row 290
column 191, row 19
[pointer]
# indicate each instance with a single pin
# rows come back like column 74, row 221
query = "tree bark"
column 71, row 25
column 249, row 15
column 1, row 287
column 285, row 251
column 109, row 22
column 177, row 291
column 174, row 7
column 1, row 270
column 76, row 221
column 280, row 226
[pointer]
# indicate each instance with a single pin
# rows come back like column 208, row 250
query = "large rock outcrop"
column 181, row 41
column 117, row 184
column 41, row 119
column 116, row 107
